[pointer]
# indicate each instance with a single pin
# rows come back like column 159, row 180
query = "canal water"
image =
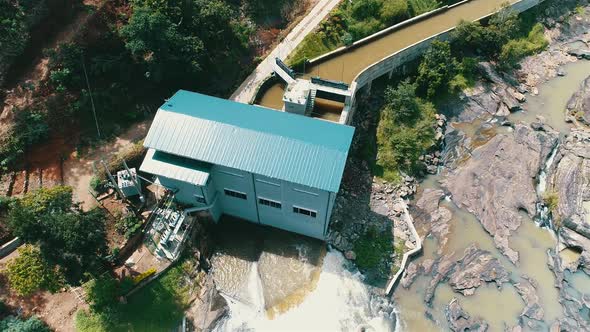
column 499, row 307
column 347, row 66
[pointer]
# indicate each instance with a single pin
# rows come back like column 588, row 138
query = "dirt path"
column 78, row 171
column 57, row 310
column 247, row 90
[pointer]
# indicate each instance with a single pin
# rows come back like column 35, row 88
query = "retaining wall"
column 9, row 247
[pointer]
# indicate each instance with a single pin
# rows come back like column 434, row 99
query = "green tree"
column 102, row 293
column 15, row 324
column 405, row 131
column 402, row 103
column 437, row 69
column 30, row 272
column 473, row 38
column 67, row 236
column 13, row 29
column 152, row 37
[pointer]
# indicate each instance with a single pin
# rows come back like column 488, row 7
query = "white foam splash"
column 340, row 302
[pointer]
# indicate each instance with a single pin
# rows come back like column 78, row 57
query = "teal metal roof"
column 255, row 139
column 175, row 167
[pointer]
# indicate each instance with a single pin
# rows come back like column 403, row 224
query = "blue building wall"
column 285, row 195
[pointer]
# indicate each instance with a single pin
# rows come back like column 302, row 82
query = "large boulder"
column 568, row 178
column 475, row 268
column 461, row 321
column 578, row 107
column 498, row 181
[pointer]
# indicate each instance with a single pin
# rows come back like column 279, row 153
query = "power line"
column 91, row 99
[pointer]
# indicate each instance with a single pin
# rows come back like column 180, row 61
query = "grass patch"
column 418, row 7
column 373, row 251
column 354, row 20
column 156, row 307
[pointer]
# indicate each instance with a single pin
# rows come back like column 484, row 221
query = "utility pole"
column 91, row 99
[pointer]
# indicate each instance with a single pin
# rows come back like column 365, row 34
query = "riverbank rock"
column 432, row 218
column 527, row 289
column 475, row 268
column 467, row 273
column 578, row 107
column 568, row 179
column 498, row 181
column 208, row 309
column 461, row 321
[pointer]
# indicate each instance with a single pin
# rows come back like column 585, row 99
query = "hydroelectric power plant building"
column 265, row 166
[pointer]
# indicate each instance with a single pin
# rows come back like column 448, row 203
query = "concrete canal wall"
column 396, row 60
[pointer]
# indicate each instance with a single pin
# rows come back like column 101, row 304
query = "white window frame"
column 312, row 213
column 280, row 207
column 226, row 190
column 200, row 197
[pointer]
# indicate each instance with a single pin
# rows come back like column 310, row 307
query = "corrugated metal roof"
column 174, row 167
column 276, row 144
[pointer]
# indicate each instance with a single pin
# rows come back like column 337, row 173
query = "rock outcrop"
column 498, row 181
column 578, row 107
column 569, row 179
column 527, row 288
column 467, row 273
column 431, row 218
column 461, row 321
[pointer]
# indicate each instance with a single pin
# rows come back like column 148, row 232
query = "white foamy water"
column 340, row 302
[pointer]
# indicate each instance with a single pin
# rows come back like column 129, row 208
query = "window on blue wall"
column 305, row 212
column 200, row 199
column 268, row 202
column 236, row 194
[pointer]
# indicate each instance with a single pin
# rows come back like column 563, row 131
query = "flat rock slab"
column 498, row 181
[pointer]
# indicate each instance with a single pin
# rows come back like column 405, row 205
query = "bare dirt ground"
column 78, row 170
column 57, row 310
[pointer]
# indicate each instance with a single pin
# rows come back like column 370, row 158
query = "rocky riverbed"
column 503, row 158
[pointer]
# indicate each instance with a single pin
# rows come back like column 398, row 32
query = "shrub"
column 437, row 69
column 393, row 11
column 139, row 278
column 373, row 251
column 423, row 6
column 517, row 49
column 16, row 324
column 551, row 200
column 29, row 272
column 128, row 225
column 29, row 128
column 97, row 184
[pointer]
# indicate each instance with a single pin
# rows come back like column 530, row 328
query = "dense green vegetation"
column 67, row 237
column 373, row 250
column 354, row 20
column 156, row 307
column 30, row 272
column 128, row 59
column 405, row 131
column 506, row 39
column 17, row 324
